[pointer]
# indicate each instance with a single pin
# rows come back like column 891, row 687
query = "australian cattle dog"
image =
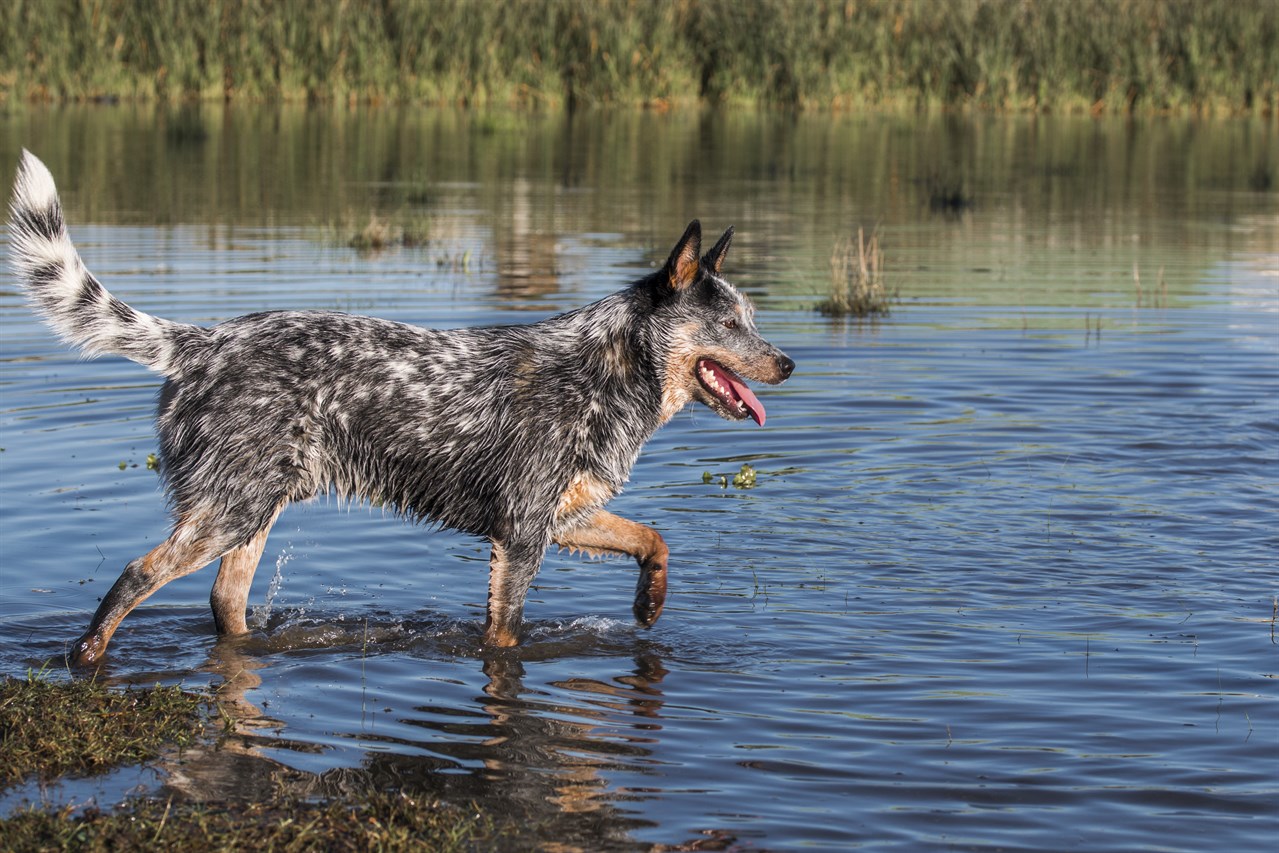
column 518, row 434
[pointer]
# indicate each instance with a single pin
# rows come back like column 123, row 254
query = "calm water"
column 1008, row 576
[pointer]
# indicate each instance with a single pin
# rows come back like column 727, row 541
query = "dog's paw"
column 86, row 651
column 650, row 595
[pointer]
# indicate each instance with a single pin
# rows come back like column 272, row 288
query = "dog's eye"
column 730, row 324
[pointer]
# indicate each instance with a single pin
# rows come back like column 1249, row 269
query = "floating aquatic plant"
column 743, row 479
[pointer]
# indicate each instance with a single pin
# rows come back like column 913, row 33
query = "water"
column 1007, row 578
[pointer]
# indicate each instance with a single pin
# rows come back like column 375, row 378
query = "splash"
column 599, row 626
column 261, row 613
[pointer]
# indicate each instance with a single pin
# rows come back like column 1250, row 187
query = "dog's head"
column 712, row 343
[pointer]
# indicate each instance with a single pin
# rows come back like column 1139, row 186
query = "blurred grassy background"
column 1014, row 55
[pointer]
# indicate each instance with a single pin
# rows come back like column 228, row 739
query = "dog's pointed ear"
column 681, row 267
column 714, row 259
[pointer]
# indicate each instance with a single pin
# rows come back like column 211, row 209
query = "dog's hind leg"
column 187, row 550
column 230, row 596
column 605, row 533
column 511, row 571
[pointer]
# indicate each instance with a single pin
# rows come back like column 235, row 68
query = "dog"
column 518, row 434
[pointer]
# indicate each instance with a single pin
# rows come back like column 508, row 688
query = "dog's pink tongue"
column 752, row 402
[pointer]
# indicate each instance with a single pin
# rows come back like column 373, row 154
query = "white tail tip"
column 33, row 188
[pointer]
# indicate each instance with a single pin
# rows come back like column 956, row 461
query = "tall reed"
column 857, row 287
column 1074, row 55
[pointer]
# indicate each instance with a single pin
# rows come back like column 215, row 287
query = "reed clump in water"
column 857, row 287
column 381, row 234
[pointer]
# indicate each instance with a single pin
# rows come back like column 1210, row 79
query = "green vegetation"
column 50, row 729
column 857, row 286
column 152, row 463
column 401, row 231
column 84, row 727
column 743, row 479
column 1094, row 55
column 377, row 821
column 383, row 234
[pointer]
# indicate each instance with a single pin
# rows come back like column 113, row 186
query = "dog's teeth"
column 712, row 382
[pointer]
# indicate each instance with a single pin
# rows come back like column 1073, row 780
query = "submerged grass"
column 857, row 286
column 1098, row 55
column 81, row 728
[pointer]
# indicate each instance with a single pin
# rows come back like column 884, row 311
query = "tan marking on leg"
column 604, row 533
column 181, row 554
column 230, row 596
column 584, row 492
column 511, row 572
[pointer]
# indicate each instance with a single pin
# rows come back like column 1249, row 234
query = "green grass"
column 50, row 729
column 1059, row 55
column 375, row 821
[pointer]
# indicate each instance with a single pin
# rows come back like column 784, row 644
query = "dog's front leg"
column 512, row 568
column 605, row 533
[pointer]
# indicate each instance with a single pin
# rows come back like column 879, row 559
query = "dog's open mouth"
column 730, row 391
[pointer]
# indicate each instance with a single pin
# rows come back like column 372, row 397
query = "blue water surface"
column 1006, row 578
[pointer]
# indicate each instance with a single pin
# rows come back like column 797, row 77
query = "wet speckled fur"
column 519, row 434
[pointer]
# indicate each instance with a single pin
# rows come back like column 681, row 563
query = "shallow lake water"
column 1007, row 577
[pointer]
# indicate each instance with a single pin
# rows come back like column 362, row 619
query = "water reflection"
column 527, row 755
column 1047, row 195
column 566, row 746
column 517, row 752
column 233, row 769
column 972, row 517
column 528, row 263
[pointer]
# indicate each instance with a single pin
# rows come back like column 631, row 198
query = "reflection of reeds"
column 948, row 196
column 857, row 286
column 1159, row 299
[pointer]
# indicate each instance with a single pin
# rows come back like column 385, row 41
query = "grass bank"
column 50, row 730
column 378, row 821
column 1094, row 55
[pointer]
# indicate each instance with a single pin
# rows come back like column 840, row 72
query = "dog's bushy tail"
column 68, row 296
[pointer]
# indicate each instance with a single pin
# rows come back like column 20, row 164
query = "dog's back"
column 480, row 430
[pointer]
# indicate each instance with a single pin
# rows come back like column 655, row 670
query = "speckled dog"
column 519, row 434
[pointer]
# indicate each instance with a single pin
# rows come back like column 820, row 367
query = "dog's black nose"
column 785, row 364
